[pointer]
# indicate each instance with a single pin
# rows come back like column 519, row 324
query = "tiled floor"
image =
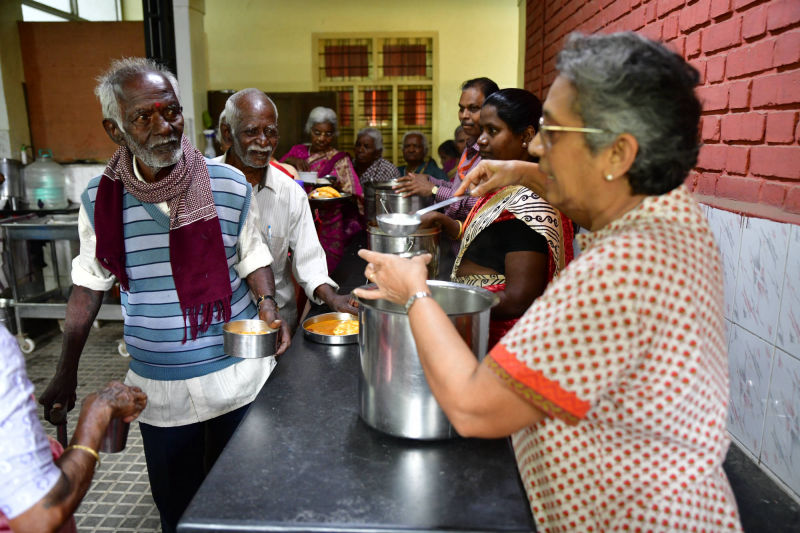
column 119, row 498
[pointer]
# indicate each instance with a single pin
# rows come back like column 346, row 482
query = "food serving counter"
column 303, row 460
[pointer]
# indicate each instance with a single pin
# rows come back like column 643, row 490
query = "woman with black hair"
column 512, row 242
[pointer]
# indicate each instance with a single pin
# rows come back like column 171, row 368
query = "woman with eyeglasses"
column 337, row 222
column 512, row 242
column 614, row 384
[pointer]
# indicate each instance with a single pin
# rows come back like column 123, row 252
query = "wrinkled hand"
column 125, row 402
column 490, row 175
column 344, row 303
column 296, row 162
column 58, row 394
column 271, row 317
column 397, row 277
column 412, row 184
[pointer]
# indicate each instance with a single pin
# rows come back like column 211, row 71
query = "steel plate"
column 329, row 339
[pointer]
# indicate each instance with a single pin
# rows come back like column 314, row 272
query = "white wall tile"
column 759, row 279
column 727, row 229
column 780, row 450
column 788, row 337
column 749, row 363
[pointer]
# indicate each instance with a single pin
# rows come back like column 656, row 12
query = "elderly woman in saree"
column 614, row 384
column 513, row 242
column 338, row 221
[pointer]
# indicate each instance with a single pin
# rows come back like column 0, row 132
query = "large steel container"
column 424, row 240
column 381, row 198
column 393, row 392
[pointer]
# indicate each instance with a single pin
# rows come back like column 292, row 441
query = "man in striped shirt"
column 178, row 234
column 251, row 128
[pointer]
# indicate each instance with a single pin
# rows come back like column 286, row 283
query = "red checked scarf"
column 196, row 253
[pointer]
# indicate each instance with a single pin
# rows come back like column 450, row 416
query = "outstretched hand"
column 490, row 175
column 397, row 278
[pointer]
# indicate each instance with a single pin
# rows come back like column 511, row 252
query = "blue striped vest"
column 154, row 326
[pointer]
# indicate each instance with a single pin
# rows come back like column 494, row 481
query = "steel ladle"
column 403, row 224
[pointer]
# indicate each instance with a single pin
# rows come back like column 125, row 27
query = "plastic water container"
column 45, row 183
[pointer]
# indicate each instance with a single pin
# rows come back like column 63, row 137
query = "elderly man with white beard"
column 177, row 232
column 251, row 129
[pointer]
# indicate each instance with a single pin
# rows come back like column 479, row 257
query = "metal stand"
column 52, row 303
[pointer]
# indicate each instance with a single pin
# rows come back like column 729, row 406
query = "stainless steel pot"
column 381, row 198
column 426, row 240
column 394, row 394
column 12, row 191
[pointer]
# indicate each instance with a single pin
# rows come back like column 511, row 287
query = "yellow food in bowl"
column 334, row 327
column 324, row 192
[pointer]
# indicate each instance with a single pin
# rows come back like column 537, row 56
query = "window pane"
column 346, row 61
column 63, row 5
column 30, row 14
column 98, row 9
column 377, row 107
column 415, row 106
column 404, row 60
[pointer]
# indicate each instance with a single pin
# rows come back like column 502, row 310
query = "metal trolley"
column 49, row 303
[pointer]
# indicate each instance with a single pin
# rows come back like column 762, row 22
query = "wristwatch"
column 415, row 297
column 434, row 190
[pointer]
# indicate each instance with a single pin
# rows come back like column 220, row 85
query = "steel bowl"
column 329, row 339
column 249, row 339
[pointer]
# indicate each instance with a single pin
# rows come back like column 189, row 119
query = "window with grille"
column 382, row 81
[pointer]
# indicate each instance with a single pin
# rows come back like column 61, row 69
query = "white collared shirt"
column 178, row 403
column 286, row 224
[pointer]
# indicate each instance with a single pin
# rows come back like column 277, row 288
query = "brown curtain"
column 415, row 107
column 404, row 60
column 346, row 61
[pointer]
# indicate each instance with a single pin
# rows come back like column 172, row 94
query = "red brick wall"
column 748, row 55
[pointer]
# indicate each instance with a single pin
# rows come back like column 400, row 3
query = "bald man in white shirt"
column 251, row 128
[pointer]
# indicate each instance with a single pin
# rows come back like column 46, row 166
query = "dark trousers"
column 178, row 459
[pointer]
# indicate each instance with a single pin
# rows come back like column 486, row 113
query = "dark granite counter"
column 303, row 460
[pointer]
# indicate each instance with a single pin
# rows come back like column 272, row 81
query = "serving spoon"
column 402, row 224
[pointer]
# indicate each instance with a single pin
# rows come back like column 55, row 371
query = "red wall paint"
column 748, row 56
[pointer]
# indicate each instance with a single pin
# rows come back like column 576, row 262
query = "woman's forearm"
column 77, row 468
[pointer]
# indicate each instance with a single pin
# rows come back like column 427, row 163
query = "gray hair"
column 319, row 115
column 425, row 145
column 109, row 84
column 626, row 83
column 375, row 134
column 232, row 113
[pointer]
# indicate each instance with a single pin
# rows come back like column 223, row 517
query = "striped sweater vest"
column 153, row 322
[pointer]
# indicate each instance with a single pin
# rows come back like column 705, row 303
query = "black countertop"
column 303, row 460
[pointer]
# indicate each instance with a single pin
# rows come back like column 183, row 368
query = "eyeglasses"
column 318, row 133
column 547, row 139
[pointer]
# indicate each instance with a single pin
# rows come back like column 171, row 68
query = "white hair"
column 375, row 134
column 319, row 115
column 234, row 116
column 109, row 84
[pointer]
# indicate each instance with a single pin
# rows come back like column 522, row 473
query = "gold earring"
column 524, row 144
column 609, row 177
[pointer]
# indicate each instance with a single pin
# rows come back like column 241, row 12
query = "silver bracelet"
column 415, row 297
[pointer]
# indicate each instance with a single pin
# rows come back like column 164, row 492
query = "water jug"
column 45, row 183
